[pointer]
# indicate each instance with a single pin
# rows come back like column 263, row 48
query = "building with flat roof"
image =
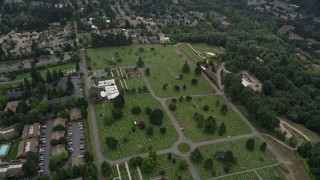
column 110, row 89
column 26, row 146
column 13, row 169
column 12, row 105
column 75, row 114
column 8, row 132
column 31, row 131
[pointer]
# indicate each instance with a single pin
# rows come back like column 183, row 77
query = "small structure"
column 78, row 160
column 8, row 132
column 250, row 81
column 131, row 72
column 12, row 105
column 58, row 149
column 31, row 131
column 13, row 169
column 26, row 146
column 164, row 39
column 75, row 114
column 110, row 89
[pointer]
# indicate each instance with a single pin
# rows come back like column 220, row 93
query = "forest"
column 291, row 88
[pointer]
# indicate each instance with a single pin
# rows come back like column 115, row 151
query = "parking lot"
column 76, row 138
column 77, row 83
column 45, row 147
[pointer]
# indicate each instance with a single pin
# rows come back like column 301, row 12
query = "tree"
column 169, row 156
column 77, row 66
column 142, row 125
column 172, row 107
column 194, row 81
column 135, row 161
column 196, row 156
column 106, row 168
column 208, row 164
column 268, row 88
column 140, row 62
column 186, row 68
column 94, row 94
column 183, row 164
column 147, row 72
column 148, row 110
column 197, row 70
column 48, row 77
column 222, row 129
column 149, row 131
column 153, row 155
column 210, row 125
column 119, row 101
column 84, row 112
column 163, row 130
column 205, row 107
column 263, row 146
column 184, row 87
column 156, row 117
column 136, row 110
column 70, row 84
column 148, row 164
column 250, row 144
column 30, row 167
column 111, row 142
column 224, row 109
column 200, row 119
column 229, row 159
column 176, row 88
column 117, row 113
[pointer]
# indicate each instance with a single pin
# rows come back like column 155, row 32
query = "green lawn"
column 169, row 75
column 13, row 151
column 188, row 51
column 171, row 170
column 185, row 111
column 243, row 176
column 138, row 142
column 9, row 85
column 207, row 48
column 271, row 173
column 43, row 72
column 128, row 56
column 245, row 160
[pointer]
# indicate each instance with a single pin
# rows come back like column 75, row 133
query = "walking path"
column 181, row 136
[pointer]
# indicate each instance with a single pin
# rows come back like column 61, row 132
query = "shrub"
column 176, row 88
column 117, row 113
column 174, row 100
column 148, row 110
column 188, row 98
column 194, row 81
column 111, row 142
column 250, row 144
column 172, row 107
column 142, row 125
column 163, row 130
column 206, row 107
column 136, row 110
column 226, row 168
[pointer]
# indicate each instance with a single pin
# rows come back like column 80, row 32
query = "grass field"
column 13, row 151
column 9, row 84
column 207, row 48
column 171, row 170
column 188, row 51
column 168, row 75
column 138, row 142
column 245, row 160
column 43, row 72
column 128, row 55
column 184, row 114
column 271, row 173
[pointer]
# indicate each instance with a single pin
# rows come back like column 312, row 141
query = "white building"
column 110, row 89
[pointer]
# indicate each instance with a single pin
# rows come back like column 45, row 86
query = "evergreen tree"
column 140, row 62
column 250, row 144
column 222, row 129
column 196, row 156
column 186, row 68
column 119, row 101
column 263, row 146
column 48, row 77
column 210, row 125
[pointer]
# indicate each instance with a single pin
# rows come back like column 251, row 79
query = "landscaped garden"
column 128, row 56
column 230, row 157
column 129, row 130
column 193, row 114
column 171, row 81
column 166, row 167
column 12, row 152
